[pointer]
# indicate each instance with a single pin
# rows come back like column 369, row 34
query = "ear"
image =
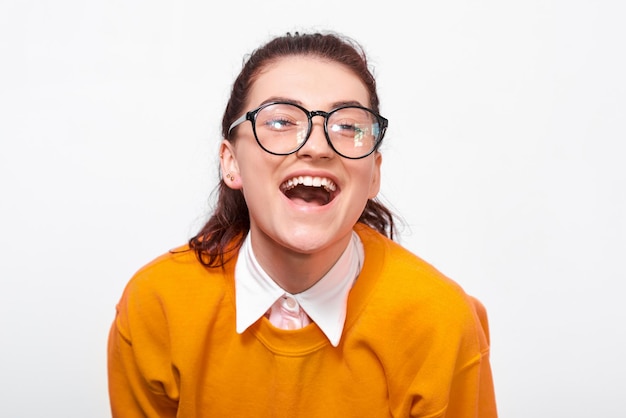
column 229, row 165
column 375, row 185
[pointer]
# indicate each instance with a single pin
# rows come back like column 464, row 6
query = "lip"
column 305, row 173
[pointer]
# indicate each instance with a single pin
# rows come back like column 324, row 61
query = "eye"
column 348, row 128
column 279, row 123
column 280, row 118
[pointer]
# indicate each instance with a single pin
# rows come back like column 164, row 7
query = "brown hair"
column 226, row 229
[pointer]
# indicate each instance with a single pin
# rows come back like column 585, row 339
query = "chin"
column 312, row 240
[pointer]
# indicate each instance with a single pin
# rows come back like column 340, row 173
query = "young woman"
column 293, row 301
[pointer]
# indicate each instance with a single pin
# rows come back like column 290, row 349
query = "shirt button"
column 290, row 303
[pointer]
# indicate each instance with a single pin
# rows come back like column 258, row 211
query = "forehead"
column 314, row 82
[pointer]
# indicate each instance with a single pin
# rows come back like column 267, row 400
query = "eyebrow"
column 298, row 102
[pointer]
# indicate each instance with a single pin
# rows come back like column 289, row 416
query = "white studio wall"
column 503, row 157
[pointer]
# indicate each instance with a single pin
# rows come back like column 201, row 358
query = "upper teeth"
column 324, row 182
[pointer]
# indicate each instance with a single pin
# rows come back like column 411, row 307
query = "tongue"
column 303, row 195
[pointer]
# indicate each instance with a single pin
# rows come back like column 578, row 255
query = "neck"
column 296, row 271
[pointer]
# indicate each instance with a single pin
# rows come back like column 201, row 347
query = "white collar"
column 325, row 302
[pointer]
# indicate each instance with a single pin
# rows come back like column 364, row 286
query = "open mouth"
column 308, row 190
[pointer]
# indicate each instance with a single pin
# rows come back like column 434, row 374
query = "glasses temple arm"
column 239, row 121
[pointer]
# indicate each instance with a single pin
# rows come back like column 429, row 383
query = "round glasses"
column 282, row 128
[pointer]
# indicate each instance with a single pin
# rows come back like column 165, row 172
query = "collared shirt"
column 324, row 302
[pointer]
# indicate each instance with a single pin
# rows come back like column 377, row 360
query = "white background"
column 504, row 157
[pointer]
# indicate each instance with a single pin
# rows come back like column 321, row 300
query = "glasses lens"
column 353, row 131
column 281, row 128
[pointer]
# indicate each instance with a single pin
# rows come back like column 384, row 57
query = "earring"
column 230, row 177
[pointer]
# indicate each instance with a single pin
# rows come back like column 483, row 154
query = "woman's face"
column 305, row 220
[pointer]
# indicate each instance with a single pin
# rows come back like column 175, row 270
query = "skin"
column 297, row 243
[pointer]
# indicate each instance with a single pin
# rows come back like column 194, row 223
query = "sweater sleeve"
column 486, row 394
column 475, row 378
column 141, row 382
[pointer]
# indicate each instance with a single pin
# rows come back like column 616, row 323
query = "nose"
column 316, row 145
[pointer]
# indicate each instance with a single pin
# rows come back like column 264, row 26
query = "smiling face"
column 302, row 206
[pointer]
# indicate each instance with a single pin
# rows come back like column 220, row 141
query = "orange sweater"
column 413, row 346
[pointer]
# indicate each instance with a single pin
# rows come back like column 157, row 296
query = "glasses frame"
column 251, row 116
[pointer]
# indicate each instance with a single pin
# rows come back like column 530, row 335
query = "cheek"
column 368, row 177
column 257, row 174
column 374, row 186
column 250, row 164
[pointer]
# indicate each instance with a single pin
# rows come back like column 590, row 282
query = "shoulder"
column 401, row 280
column 178, row 267
column 396, row 283
column 176, row 278
column 399, row 265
